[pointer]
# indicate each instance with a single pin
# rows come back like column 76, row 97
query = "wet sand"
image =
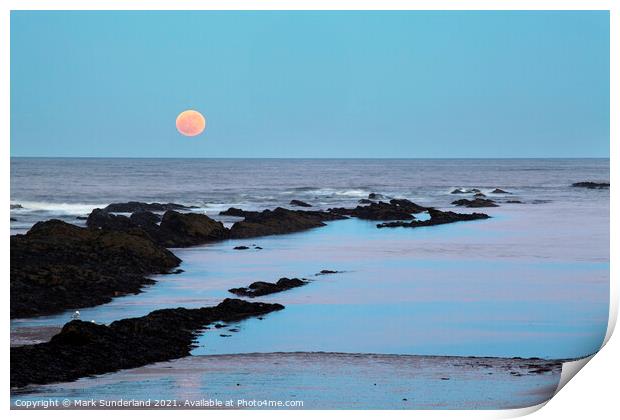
column 319, row 381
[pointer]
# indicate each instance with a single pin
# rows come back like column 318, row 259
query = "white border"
column 314, row 5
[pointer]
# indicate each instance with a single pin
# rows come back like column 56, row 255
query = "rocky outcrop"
column 477, row 202
column 591, row 185
column 58, row 266
column 271, row 222
column 406, row 205
column 261, row 288
column 145, row 218
column 134, row 206
column 326, row 272
column 85, row 348
column 279, row 221
column 437, row 217
column 375, row 211
column 188, row 229
column 465, row 191
column 233, row 211
column 101, row 219
column 396, row 209
column 499, row 191
column 299, row 203
column 175, row 230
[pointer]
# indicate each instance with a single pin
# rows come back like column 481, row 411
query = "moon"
column 191, row 123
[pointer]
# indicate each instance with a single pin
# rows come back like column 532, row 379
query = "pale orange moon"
column 191, row 123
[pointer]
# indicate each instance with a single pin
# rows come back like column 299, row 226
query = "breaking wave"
column 56, row 208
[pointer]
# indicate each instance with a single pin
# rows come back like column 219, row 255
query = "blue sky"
column 311, row 84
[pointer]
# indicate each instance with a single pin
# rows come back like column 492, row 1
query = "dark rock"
column 101, row 219
column 175, row 230
column 479, row 195
column 437, row 217
column 13, row 219
column 177, row 271
column 225, row 335
column 321, row 215
column 396, row 209
column 85, row 348
column 406, row 205
column 380, row 211
column 591, row 185
column 499, row 191
column 261, row 288
column 145, row 218
column 16, row 206
column 233, row 211
column 134, row 206
column 287, row 283
column 258, row 247
column 218, row 325
column 375, row 196
column 477, row 202
column 188, row 229
column 241, row 247
column 514, row 201
column 365, row 201
column 324, row 272
column 299, row 203
column 58, row 266
column 81, row 217
column 279, row 221
column 465, row 191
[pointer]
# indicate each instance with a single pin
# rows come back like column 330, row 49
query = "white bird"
column 76, row 315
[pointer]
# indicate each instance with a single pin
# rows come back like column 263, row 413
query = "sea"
column 531, row 281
